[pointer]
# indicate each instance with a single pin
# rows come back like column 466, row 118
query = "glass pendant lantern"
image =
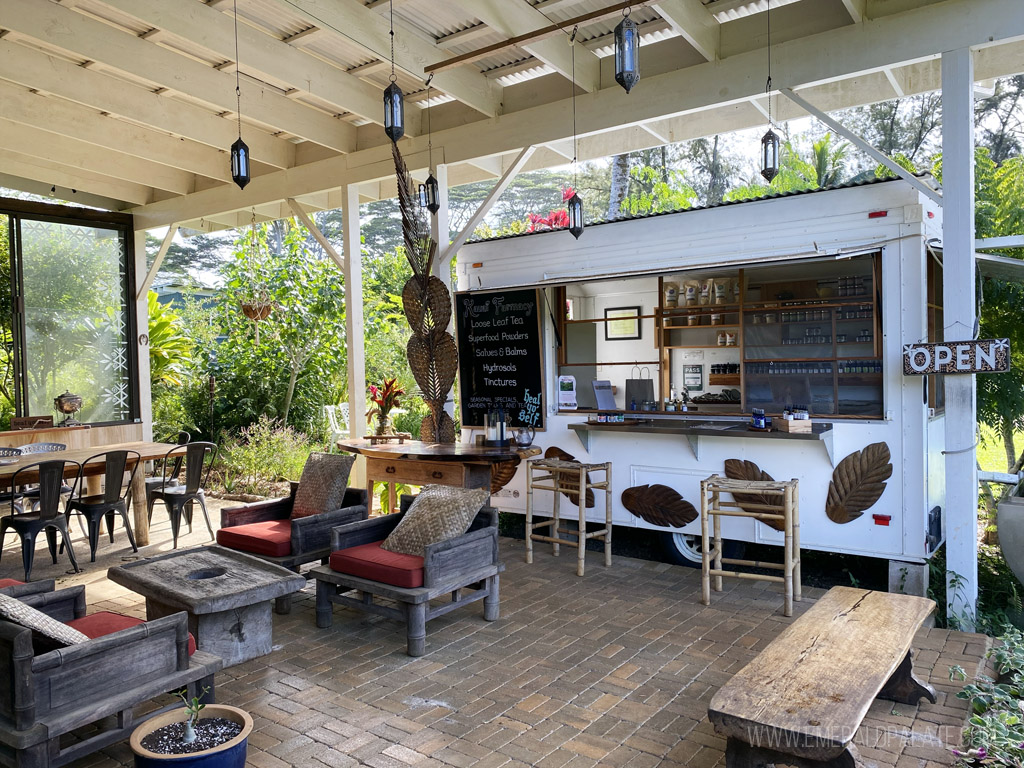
column 429, row 194
column 770, row 155
column 240, row 163
column 394, row 99
column 394, row 112
column 627, row 52
column 574, row 207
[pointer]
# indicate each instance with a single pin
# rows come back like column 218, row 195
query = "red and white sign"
column 977, row 356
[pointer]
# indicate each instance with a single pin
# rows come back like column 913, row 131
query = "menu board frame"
column 469, row 361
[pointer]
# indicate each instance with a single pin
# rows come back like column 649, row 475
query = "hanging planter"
column 228, row 754
column 253, row 297
column 256, row 312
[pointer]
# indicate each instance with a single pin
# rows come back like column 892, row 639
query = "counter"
column 694, row 429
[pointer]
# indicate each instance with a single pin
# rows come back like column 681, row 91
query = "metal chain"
column 238, row 87
column 572, row 45
column 768, row 85
column 391, row 8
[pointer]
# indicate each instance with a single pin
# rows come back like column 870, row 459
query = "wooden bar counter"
column 417, row 463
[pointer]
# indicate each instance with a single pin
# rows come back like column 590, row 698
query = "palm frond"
column 419, row 249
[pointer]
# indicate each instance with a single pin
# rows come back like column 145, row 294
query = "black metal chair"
column 199, row 458
column 11, row 494
column 32, row 492
column 113, row 500
column 172, row 476
column 46, row 517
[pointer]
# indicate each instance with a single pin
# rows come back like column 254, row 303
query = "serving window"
column 805, row 334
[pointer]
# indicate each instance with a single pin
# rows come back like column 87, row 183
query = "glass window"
column 67, row 312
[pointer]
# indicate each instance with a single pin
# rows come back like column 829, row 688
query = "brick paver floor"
column 613, row 669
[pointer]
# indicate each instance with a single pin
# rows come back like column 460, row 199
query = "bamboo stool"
column 568, row 477
column 786, row 511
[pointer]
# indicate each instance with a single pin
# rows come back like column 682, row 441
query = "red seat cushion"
column 9, row 583
column 369, row 561
column 107, row 622
column 272, row 538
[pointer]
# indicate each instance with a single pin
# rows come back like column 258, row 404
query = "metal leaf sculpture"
column 659, row 505
column 737, row 469
column 431, row 350
column 568, row 484
column 858, row 482
column 502, row 473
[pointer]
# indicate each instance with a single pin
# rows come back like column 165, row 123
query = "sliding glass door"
column 72, row 320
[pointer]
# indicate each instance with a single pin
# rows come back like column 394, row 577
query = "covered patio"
column 614, row 669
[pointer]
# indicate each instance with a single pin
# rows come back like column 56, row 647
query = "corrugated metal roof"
column 794, row 193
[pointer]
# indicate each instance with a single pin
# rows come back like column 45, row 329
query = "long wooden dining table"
column 148, row 451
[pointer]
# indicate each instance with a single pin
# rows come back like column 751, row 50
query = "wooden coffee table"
column 226, row 594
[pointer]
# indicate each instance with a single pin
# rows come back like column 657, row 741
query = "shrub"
column 263, row 453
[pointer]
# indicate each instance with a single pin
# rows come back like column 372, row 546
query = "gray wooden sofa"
column 466, row 567
column 309, row 538
column 97, row 683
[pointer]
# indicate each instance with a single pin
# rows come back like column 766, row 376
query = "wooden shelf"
column 724, row 379
column 695, row 327
column 699, row 308
column 702, row 346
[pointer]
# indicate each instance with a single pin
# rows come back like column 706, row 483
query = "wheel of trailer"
column 685, row 548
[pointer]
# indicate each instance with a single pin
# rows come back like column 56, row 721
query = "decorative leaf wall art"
column 431, row 350
column 858, row 482
column 659, row 505
column 737, row 469
column 568, row 485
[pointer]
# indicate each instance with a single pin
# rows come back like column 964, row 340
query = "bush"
column 999, row 592
column 261, row 455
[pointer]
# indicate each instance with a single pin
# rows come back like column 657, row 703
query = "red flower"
column 567, row 194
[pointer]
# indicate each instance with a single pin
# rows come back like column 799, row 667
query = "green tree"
column 170, row 350
column 658, row 190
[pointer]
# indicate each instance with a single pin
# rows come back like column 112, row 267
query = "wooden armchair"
column 45, row 696
column 466, row 567
column 266, row 529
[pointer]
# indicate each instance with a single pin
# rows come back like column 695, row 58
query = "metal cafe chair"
column 199, row 460
column 11, row 494
column 172, row 476
column 112, row 501
column 46, row 517
column 30, row 448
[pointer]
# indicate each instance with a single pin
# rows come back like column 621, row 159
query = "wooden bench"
column 802, row 699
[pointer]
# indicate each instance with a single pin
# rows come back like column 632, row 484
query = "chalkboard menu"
column 500, row 361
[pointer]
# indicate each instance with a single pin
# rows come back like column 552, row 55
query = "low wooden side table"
column 571, row 478
column 771, row 502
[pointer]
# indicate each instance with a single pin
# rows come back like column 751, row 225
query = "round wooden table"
column 417, row 463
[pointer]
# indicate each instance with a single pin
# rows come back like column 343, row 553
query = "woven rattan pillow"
column 323, row 484
column 53, row 632
column 439, row 513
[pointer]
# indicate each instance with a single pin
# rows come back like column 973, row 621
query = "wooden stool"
column 759, row 502
column 570, row 477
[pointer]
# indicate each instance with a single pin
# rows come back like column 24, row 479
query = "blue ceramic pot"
column 230, row 754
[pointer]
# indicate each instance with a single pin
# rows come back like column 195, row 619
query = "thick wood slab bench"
column 802, row 699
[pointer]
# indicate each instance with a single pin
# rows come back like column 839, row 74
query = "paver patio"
column 612, row 669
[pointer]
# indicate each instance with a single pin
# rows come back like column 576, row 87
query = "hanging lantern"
column 770, row 155
column 574, row 207
column 627, row 53
column 394, row 112
column 429, row 194
column 240, row 163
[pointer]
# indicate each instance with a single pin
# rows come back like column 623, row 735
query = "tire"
column 684, row 548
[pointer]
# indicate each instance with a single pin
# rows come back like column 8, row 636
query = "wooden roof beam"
column 34, row 69
column 92, row 39
column 259, row 53
column 517, row 18
column 691, row 20
column 353, row 21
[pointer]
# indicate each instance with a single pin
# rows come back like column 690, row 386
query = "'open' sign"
column 978, row 356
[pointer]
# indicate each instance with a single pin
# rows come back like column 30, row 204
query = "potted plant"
column 181, row 739
column 384, row 398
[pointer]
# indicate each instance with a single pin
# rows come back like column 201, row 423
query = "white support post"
column 862, row 145
column 474, row 221
column 961, row 507
column 160, row 254
column 314, row 230
column 142, row 327
column 356, row 355
column 440, row 231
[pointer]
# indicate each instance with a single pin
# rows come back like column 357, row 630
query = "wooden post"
column 140, row 515
column 355, row 351
column 705, row 563
column 961, row 504
column 608, row 515
column 529, row 511
column 581, row 540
